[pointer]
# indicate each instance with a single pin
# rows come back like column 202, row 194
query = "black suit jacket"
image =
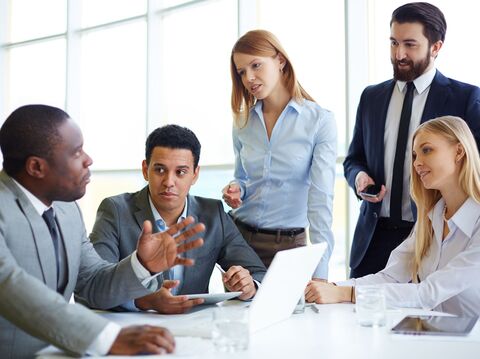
column 366, row 151
column 119, row 222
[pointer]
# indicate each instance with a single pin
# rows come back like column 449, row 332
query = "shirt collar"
column 158, row 217
column 422, row 82
column 39, row 206
column 298, row 107
column 465, row 218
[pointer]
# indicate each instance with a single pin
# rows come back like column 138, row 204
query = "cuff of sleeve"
column 130, row 306
column 346, row 283
column 321, row 271
column 143, row 274
column 103, row 343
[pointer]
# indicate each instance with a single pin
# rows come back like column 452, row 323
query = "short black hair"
column 30, row 130
column 430, row 16
column 175, row 137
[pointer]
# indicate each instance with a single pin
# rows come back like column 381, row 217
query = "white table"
column 330, row 333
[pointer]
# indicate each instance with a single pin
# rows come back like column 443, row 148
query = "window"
column 121, row 68
column 36, row 73
column 113, row 75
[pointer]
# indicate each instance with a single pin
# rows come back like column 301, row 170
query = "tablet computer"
column 435, row 325
column 212, row 298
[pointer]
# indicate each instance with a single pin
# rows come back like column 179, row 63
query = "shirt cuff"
column 103, row 343
column 130, row 306
column 321, row 271
column 346, row 283
column 143, row 274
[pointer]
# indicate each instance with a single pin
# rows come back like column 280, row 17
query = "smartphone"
column 371, row 190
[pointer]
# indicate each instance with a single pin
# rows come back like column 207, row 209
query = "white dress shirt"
column 102, row 344
column 422, row 87
column 449, row 273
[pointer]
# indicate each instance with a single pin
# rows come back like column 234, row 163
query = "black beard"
column 416, row 69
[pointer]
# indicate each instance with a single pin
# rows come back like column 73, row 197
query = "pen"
column 219, row 268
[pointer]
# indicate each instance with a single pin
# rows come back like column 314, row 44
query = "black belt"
column 280, row 232
column 389, row 224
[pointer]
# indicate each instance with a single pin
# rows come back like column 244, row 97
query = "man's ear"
column 196, row 174
column 36, row 166
column 145, row 170
column 435, row 48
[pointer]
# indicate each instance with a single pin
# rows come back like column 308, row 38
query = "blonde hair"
column 260, row 43
column 455, row 131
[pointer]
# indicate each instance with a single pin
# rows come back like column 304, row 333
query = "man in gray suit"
column 171, row 167
column 43, row 260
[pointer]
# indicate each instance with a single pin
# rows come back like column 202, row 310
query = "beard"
column 415, row 69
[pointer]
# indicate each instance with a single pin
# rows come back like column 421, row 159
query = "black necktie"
column 398, row 164
column 49, row 218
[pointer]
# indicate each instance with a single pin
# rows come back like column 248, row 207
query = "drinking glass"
column 370, row 305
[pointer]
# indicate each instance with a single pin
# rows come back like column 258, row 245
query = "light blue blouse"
column 288, row 181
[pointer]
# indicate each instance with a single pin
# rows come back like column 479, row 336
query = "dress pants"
column 266, row 245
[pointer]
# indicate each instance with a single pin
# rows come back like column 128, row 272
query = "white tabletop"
column 330, row 333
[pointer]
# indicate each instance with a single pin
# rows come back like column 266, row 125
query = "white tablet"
column 212, row 298
column 435, row 325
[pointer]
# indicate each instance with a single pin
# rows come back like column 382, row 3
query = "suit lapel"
column 40, row 233
column 437, row 97
column 192, row 210
column 190, row 272
column 144, row 212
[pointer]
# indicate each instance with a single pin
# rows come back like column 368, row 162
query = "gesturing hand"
column 160, row 251
column 143, row 339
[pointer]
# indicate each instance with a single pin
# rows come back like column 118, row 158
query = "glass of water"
column 230, row 329
column 370, row 305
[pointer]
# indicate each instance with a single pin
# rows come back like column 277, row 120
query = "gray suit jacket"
column 119, row 222
column 32, row 313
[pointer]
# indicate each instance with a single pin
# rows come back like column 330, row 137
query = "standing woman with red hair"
column 285, row 153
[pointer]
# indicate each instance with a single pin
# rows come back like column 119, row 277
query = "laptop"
column 283, row 284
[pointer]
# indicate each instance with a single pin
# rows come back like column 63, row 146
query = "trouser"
column 266, row 245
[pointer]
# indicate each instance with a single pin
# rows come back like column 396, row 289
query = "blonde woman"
column 438, row 266
column 285, row 153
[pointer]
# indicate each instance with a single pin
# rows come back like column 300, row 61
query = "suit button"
column 375, row 215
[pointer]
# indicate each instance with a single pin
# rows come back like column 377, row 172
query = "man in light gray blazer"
column 43, row 260
column 171, row 168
